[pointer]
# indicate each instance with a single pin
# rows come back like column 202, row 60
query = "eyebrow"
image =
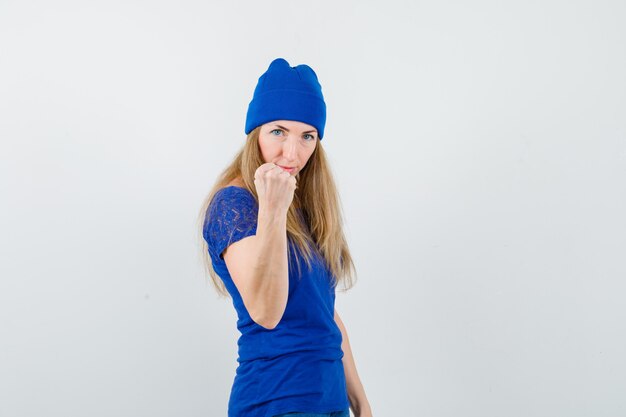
column 282, row 127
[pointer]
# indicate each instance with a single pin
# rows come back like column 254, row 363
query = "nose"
column 290, row 148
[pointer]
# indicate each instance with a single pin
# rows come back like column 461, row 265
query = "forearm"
column 269, row 282
column 356, row 392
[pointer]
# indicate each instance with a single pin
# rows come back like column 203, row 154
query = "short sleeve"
column 231, row 216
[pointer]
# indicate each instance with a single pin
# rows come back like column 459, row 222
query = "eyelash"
column 280, row 130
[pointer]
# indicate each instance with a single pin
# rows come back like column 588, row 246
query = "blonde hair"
column 317, row 197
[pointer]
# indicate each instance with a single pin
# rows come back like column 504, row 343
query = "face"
column 288, row 144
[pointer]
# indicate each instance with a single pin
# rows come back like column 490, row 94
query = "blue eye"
column 311, row 137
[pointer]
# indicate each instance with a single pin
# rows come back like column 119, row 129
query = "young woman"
column 272, row 228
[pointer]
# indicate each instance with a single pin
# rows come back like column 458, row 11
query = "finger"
column 265, row 167
column 287, row 175
column 277, row 171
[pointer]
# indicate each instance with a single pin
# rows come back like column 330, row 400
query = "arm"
column 356, row 393
column 258, row 267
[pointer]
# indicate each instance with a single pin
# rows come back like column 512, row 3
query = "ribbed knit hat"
column 287, row 93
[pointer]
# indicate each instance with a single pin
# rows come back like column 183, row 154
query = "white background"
column 480, row 151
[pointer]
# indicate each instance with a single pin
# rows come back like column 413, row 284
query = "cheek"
column 306, row 155
column 266, row 149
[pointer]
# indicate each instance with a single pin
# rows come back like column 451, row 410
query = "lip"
column 289, row 169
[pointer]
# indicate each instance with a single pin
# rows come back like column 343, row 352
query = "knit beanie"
column 287, row 93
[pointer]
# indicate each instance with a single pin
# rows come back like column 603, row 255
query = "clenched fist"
column 274, row 186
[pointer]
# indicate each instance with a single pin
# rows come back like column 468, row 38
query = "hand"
column 275, row 187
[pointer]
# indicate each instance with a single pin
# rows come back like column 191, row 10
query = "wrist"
column 272, row 215
column 360, row 406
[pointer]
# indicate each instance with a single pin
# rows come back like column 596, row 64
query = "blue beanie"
column 287, row 93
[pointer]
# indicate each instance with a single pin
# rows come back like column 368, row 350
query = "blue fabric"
column 284, row 92
column 343, row 413
column 297, row 366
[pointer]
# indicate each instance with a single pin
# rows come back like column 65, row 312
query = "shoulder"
column 231, row 216
column 232, row 193
column 233, row 202
column 235, row 187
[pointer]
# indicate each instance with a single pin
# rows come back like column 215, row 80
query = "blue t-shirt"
column 297, row 366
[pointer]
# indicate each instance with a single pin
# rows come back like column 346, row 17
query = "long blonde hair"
column 317, row 197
